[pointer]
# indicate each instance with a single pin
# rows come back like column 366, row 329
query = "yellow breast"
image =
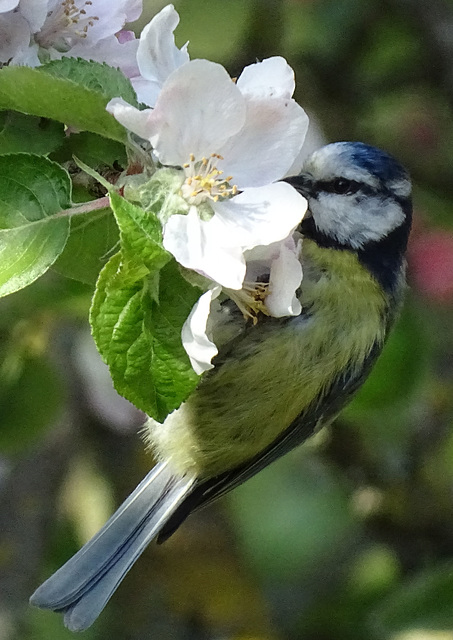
column 278, row 368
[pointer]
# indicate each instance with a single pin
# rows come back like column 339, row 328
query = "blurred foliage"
column 350, row 537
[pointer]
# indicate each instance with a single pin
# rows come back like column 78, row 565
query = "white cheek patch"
column 401, row 188
column 356, row 221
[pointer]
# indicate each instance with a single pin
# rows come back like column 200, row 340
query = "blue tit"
column 275, row 383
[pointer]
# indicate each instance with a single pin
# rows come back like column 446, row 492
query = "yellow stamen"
column 203, row 181
column 65, row 24
column 251, row 299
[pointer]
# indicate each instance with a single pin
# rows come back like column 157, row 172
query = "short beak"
column 303, row 183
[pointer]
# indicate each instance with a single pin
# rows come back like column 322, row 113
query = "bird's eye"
column 343, row 186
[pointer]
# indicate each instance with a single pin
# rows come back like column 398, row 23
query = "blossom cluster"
column 227, row 144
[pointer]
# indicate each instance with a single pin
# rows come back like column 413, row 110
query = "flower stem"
column 84, row 207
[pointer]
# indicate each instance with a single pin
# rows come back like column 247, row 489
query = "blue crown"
column 378, row 162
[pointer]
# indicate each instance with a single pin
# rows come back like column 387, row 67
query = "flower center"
column 251, row 299
column 66, row 24
column 204, row 181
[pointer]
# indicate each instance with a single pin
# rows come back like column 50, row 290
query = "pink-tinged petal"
column 208, row 247
column 271, row 78
column 261, row 216
column 112, row 16
column 198, row 110
column 157, row 54
column 200, row 349
column 130, row 117
column 125, row 36
column 111, row 51
column 268, row 144
column 285, row 278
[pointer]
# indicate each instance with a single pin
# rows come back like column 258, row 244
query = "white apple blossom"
column 14, row 36
column 278, row 265
column 230, row 143
column 195, row 334
column 273, row 276
column 76, row 28
column 157, row 55
column 284, row 280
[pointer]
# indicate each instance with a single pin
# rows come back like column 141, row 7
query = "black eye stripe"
column 341, row 186
column 361, row 188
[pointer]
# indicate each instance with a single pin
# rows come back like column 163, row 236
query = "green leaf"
column 32, row 189
column 139, row 307
column 39, row 93
column 97, row 76
column 93, row 237
column 140, row 339
column 141, row 238
column 160, row 195
column 93, row 150
column 19, row 132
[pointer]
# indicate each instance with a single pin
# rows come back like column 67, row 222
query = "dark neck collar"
column 383, row 258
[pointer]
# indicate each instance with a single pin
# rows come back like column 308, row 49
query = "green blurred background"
column 351, row 536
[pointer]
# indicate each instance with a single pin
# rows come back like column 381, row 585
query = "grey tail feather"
column 82, row 587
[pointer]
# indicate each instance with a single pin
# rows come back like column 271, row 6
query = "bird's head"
column 356, row 194
column 359, row 199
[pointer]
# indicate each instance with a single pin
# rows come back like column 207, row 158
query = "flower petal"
column 35, row 12
column 285, row 278
column 125, row 35
column 267, row 145
column 263, row 215
column 147, row 91
column 14, row 36
column 130, row 117
column 271, row 78
column 208, row 247
column 8, row 5
column 315, row 139
column 111, row 51
column 195, row 341
column 112, row 16
column 132, row 10
column 157, row 54
column 198, row 110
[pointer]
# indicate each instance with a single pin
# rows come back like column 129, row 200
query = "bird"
column 275, row 382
